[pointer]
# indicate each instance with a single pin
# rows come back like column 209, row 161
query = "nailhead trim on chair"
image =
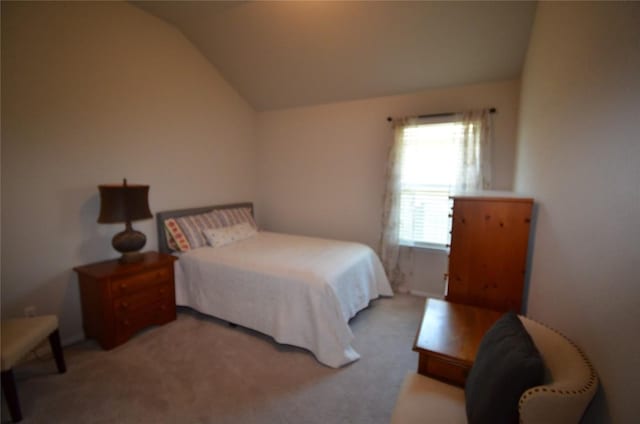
column 587, row 387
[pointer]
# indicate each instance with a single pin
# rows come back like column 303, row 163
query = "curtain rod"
column 440, row 115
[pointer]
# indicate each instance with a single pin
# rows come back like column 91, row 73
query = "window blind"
column 429, row 165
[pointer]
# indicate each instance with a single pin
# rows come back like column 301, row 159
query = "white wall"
column 92, row 93
column 579, row 156
column 321, row 169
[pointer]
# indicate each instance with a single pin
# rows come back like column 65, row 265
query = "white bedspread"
column 299, row 290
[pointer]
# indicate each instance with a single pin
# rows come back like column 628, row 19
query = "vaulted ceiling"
column 287, row 54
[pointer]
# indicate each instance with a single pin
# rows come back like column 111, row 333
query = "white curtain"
column 390, row 237
column 474, row 141
column 475, row 144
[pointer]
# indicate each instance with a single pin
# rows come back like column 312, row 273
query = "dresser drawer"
column 156, row 313
column 138, row 300
column 123, row 286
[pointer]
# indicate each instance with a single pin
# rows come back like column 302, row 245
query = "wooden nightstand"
column 449, row 337
column 118, row 300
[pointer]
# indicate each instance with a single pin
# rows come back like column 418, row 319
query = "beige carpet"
column 198, row 369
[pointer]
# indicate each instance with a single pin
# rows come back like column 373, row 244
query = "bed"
column 299, row 290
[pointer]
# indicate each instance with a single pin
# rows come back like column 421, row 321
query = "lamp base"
column 129, row 242
column 131, row 257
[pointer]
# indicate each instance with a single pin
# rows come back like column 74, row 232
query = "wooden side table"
column 118, row 300
column 448, row 339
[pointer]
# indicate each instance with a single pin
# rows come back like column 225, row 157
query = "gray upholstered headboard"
column 163, row 247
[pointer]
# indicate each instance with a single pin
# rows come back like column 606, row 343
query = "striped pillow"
column 193, row 225
column 235, row 216
column 176, row 234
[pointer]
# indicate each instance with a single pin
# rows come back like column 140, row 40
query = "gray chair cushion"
column 506, row 365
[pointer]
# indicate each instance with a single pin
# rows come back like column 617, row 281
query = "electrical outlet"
column 30, row 311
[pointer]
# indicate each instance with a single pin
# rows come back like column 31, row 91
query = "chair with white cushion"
column 19, row 337
column 569, row 386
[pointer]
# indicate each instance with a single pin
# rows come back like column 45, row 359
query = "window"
column 430, row 162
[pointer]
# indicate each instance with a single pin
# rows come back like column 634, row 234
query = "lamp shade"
column 123, row 203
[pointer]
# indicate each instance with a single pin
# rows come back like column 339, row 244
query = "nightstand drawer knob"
column 123, row 286
column 125, row 305
column 126, row 323
column 163, row 290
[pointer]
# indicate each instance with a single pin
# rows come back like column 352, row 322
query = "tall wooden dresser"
column 488, row 256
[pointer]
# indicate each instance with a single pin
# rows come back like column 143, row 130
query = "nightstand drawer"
column 130, row 284
column 442, row 370
column 157, row 313
column 136, row 301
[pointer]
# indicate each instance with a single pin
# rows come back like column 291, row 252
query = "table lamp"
column 125, row 203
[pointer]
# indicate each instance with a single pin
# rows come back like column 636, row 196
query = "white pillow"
column 217, row 237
